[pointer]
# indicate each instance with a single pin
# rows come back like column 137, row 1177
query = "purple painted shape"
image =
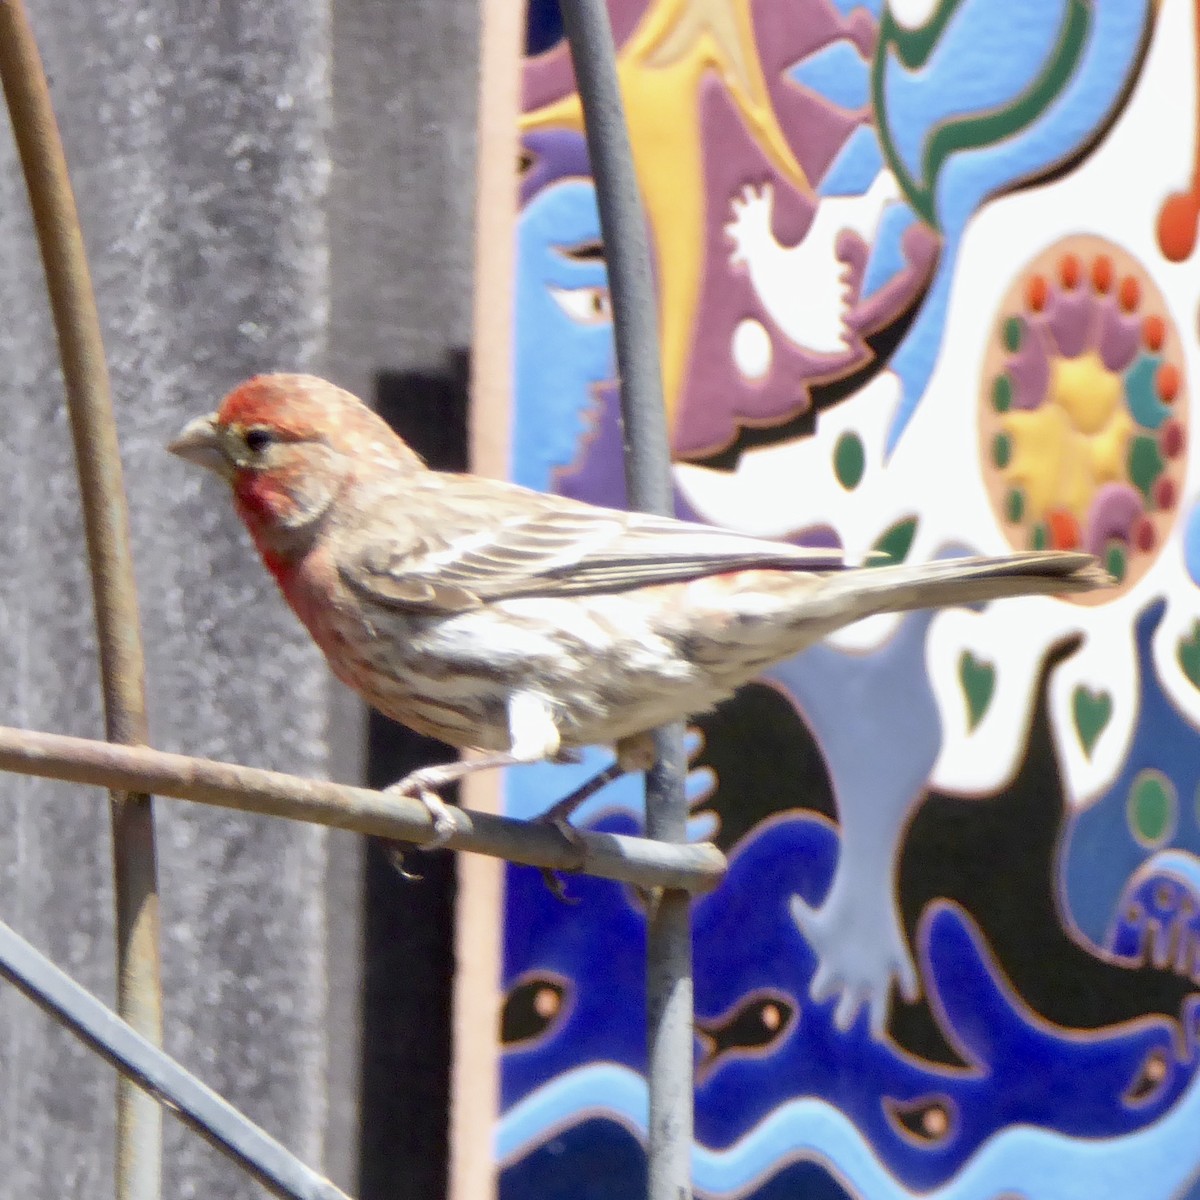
column 715, row 394
column 1069, row 319
column 785, row 34
column 598, row 475
column 716, row 399
column 1114, row 509
column 550, row 76
column 863, row 31
column 557, row 154
column 921, row 247
column 1118, row 335
column 1029, row 370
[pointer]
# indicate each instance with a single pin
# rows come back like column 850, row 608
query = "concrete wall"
column 262, row 186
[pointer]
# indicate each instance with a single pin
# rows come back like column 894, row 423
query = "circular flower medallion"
column 1083, row 421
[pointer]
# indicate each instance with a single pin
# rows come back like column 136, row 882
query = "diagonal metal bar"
column 106, row 523
column 157, row 1076
column 694, row 867
column 648, row 475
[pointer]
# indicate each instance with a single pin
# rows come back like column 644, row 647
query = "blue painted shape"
column 854, row 169
column 837, row 72
column 561, row 355
column 602, row 1160
column 607, row 1088
column 742, row 949
column 969, row 178
column 1193, row 1189
column 543, row 26
column 1191, row 543
column 1100, row 853
column 993, row 1029
column 987, row 56
column 805, row 1179
column 1158, row 915
column 815, row 1093
column 857, row 931
column 596, row 944
column 846, row 7
column 595, row 1160
column 887, row 252
column 1022, row 1161
column 1144, row 405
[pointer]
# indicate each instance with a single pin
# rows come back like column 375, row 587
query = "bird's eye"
column 257, row 440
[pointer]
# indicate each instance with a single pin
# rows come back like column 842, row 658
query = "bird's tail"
column 953, row 581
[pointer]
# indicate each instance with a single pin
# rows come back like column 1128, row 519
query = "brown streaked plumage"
column 524, row 624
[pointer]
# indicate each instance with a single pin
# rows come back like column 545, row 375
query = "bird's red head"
column 289, row 445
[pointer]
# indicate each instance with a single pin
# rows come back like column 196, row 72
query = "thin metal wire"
column 648, row 478
column 692, row 866
column 106, row 523
column 156, row 1076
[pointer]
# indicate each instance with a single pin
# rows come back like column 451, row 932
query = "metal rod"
column 694, row 867
column 627, row 256
column 649, row 484
column 158, row 1077
column 669, row 997
column 106, row 524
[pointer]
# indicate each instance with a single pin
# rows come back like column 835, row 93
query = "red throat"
column 263, row 504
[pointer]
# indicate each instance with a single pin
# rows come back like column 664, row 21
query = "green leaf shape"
column 978, row 680
column 1092, row 711
column 894, row 543
column 1189, row 655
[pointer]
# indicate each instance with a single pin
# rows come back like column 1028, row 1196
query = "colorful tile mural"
column 928, row 286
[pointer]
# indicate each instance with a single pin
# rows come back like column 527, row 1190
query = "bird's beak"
column 200, row 442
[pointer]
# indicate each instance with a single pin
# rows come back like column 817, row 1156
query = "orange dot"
column 1036, row 293
column 1130, row 294
column 1154, row 332
column 1102, row 273
column 1064, row 530
column 1166, row 382
column 935, row 1122
column 1177, row 226
column 1069, row 270
column 546, row 1002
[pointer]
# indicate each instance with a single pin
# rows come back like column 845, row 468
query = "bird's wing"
column 531, row 544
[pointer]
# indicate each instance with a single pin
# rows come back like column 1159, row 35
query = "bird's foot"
column 396, row 852
column 559, row 815
column 559, row 818
column 422, row 785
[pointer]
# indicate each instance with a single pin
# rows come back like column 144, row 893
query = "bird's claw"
column 395, row 852
column 557, row 886
column 420, row 786
column 553, row 879
column 562, row 824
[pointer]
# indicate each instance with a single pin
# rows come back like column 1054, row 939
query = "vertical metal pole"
column 669, row 986
column 648, row 474
column 106, row 525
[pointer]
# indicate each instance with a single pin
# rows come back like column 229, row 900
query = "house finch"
column 525, row 624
